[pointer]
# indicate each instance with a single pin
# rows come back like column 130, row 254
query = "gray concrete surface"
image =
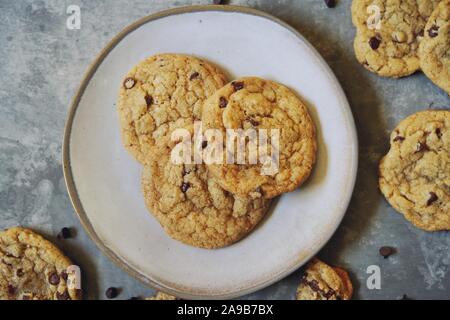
column 42, row 63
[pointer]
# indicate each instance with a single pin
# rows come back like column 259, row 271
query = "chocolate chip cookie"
column 434, row 50
column 164, row 92
column 322, row 282
column 260, row 106
column 192, row 207
column 388, row 34
column 415, row 174
column 32, row 268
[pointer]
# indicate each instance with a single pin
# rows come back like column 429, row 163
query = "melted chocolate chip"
column 194, row 76
column 421, row 147
column 330, row 3
column 222, row 102
column 386, row 251
column 253, row 122
column 204, row 144
column 433, row 31
column 433, row 197
column 329, row 294
column 421, row 33
column 438, row 133
column 399, row 138
column 53, row 278
column 237, row 85
column 185, row 186
column 112, row 292
column 63, row 296
column 314, row 285
column 129, row 83
column 374, row 43
column 20, row 273
column 148, row 100
column 64, row 233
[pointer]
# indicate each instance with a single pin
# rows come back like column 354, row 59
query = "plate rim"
column 72, row 190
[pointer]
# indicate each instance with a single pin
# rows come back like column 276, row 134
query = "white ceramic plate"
column 104, row 181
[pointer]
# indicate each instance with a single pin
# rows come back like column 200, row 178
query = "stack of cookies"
column 398, row 38
column 210, row 205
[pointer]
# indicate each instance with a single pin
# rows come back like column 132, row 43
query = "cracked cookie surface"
column 323, row 282
column 434, row 51
column 160, row 94
column 415, row 174
column 254, row 103
column 32, row 268
column 388, row 33
column 192, row 207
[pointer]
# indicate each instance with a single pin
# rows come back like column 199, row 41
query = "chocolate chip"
column 433, row 197
column 112, row 292
column 399, row 138
column 53, row 278
column 148, row 100
column 253, row 122
column 222, row 102
column 421, row 147
column 329, row 294
column 11, row 289
column 64, row 233
column 330, row 3
column 386, row 251
column 237, row 85
column 438, row 133
column 185, row 186
column 63, row 296
column 204, row 144
column 20, row 273
column 194, row 76
column 64, row 275
column 314, row 285
column 433, row 31
column 129, row 83
column 421, row 33
column 374, row 43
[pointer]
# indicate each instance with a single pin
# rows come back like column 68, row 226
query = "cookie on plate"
column 162, row 296
column 256, row 104
column 323, row 282
column 32, row 268
column 192, row 207
column 415, row 174
column 161, row 93
column 434, row 49
column 388, row 34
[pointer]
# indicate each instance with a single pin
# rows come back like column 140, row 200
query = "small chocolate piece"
column 185, row 186
column 112, row 292
column 399, row 138
column 314, row 285
column 421, row 33
column 374, row 43
column 20, row 273
column 129, row 83
column 64, row 275
column 53, row 278
column 421, row 147
column 63, row 296
column 330, row 3
column 148, row 100
column 253, row 122
column 64, row 233
column 237, row 85
column 433, row 197
column 222, row 102
column 194, row 76
column 438, row 133
column 204, row 144
column 329, row 294
column 386, row 251
column 433, row 31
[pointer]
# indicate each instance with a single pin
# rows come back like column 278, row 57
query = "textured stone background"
column 42, row 63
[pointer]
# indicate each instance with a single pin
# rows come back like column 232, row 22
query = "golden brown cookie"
column 162, row 296
column 322, row 282
column 434, row 51
column 388, row 34
column 415, row 174
column 255, row 104
column 192, row 207
column 32, row 268
column 161, row 93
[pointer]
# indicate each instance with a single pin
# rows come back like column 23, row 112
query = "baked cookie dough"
column 415, row 174
column 322, row 282
column 161, row 93
column 192, row 207
column 388, row 34
column 434, row 49
column 254, row 103
column 32, row 268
